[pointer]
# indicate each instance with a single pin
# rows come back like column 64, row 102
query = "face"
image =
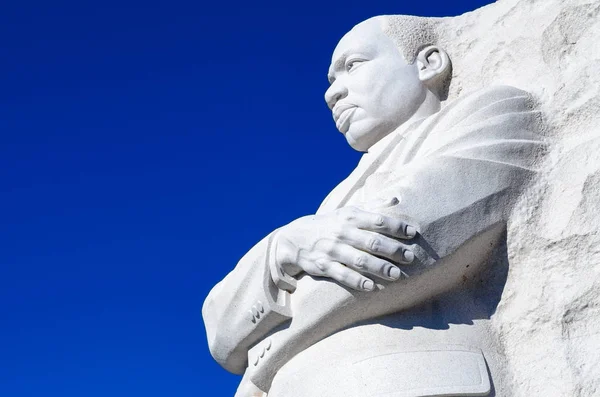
column 373, row 90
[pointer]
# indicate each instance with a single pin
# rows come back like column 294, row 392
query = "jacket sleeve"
column 244, row 307
column 468, row 173
column 458, row 190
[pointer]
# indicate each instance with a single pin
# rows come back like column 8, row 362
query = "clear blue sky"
column 144, row 148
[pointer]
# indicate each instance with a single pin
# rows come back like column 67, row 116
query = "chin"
column 362, row 139
column 359, row 143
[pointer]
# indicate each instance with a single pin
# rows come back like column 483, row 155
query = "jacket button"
column 255, row 311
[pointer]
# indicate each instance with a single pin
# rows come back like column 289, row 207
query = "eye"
column 353, row 63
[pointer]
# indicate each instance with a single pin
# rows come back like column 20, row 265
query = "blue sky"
column 144, row 148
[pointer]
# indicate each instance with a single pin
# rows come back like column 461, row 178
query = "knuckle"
column 325, row 246
column 349, row 213
column 379, row 220
column 329, row 247
column 374, row 245
column 321, row 265
column 361, row 262
column 338, row 232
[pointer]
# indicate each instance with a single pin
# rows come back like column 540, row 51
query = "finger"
column 364, row 262
column 380, row 223
column 346, row 276
column 378, row 244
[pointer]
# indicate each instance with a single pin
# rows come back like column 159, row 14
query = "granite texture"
column 501, row 292
column 548, row 320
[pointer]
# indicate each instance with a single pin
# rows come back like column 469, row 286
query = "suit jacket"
column 456, row 174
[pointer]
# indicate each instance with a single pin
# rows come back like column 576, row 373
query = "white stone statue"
column 389, row 288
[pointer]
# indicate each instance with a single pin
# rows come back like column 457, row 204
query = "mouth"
column 342, row 115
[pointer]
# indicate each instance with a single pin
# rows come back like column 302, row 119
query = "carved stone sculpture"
column 391, row 287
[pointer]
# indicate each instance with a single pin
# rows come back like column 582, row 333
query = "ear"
column 433, row 64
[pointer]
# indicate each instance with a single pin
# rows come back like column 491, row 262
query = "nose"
column 334, row 93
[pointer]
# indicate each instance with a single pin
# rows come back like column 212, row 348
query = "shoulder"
column 496, row 93
column 496, row 113
column 483, row 104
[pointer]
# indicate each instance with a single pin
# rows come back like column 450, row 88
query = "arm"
column 458, row 190
column 453, row 243
column 243, row 307
column 255, row 297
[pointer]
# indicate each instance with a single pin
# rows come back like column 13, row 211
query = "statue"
column 388, row 288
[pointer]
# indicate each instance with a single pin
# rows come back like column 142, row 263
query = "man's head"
column 384, row 72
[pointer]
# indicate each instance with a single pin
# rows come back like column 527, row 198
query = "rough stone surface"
column 548, row 320
column 539, row 332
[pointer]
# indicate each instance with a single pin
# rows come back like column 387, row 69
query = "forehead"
column 366, row 38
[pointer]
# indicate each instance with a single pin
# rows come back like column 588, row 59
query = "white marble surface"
column 535, row 316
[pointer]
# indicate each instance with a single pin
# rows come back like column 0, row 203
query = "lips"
column 342, row 113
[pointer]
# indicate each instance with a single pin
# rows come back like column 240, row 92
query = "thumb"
column 381, row 203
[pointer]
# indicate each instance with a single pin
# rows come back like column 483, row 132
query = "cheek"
column 369, row 84
column 386, row 92
column 403, row 94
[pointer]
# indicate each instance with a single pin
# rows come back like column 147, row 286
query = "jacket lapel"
column 370, row 163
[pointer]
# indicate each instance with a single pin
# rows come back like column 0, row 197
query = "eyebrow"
column 337, row 65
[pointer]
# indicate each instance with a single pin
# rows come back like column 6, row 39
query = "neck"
column 429, row 106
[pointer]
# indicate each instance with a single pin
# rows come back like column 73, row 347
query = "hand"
column 345, row 245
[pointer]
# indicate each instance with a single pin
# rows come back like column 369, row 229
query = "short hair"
column 410, row 33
